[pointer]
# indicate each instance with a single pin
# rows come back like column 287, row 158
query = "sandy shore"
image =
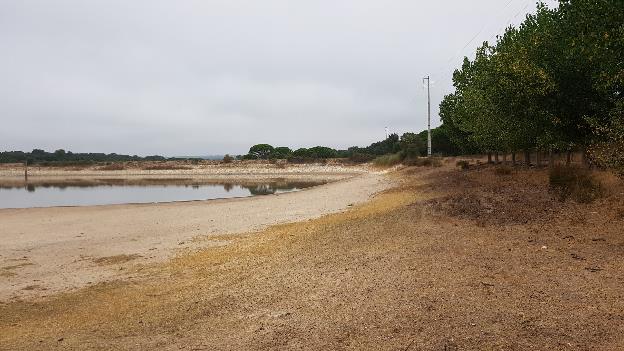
column 205, row 169
column 47, row 250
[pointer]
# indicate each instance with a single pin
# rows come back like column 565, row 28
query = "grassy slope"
column 444, row 262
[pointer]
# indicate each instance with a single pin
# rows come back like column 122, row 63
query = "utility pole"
column 428, row 116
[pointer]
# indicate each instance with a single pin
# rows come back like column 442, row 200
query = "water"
column 121, row 191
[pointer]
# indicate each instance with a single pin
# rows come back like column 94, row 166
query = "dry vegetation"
column 449, row 260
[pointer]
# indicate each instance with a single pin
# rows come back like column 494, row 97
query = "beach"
column 49, row 250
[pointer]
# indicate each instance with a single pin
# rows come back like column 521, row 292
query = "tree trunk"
column 513, row 158
column 538, row 158
column 496, row 157
column 551, row 159
column 585, row 158
column 568, row 158
column 504, row 158
column 489, row 154
column 527, row 157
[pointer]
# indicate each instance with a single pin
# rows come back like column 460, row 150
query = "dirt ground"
column 448, row 260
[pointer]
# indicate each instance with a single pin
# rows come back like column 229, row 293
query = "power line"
column 478, row 33
column 446, row 72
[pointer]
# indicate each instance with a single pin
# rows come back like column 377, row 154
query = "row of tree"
column 409, row 144
column 553, row 83
column 39, row 156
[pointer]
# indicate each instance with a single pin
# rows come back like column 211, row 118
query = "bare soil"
column 448, row 260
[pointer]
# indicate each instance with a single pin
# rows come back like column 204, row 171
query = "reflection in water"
column 80, row 192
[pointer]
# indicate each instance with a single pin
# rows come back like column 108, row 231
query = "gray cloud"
column 198, row 77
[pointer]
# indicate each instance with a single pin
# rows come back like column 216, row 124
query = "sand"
column 44, row 251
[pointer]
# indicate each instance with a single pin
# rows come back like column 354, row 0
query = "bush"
column 359, row 157
column 387, row 160
column 227, row 158
column 574, row 182
column 423, row 162
column 463, row 164
column 503, row 170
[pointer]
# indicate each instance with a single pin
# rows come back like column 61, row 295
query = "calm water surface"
column 116, row 191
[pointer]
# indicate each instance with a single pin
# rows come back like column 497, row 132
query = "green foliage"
column 322, row 152
column 388, row 160
column 301, row 152
column 62, row 157
column 281, row 152
column 358, row 157
column 555, row 82
column 260, row 151
column 411, row 145
column 574, row 182
column 387, row 146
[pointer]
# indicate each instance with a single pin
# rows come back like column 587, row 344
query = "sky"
column 203, row 77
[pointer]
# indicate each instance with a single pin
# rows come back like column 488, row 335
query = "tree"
column 301, row 153
column 261, row 151
column 411, row 145
column 322, row 152
column 281, row 152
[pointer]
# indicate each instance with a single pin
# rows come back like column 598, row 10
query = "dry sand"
column 47, row 250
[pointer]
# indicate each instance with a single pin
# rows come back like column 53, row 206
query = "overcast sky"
column 184, row 77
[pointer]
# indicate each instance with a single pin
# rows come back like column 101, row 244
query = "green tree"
column 281, row 152
column 261, row 151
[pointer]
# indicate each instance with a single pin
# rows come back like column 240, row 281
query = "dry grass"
column 118, row 166
column 165, row 166
column 384, row 275
column 576, row 183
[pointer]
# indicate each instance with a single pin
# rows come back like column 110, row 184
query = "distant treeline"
column 38, row 156
column 554, row 83
column 408, row 145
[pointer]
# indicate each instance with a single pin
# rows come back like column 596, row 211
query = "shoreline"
column 92, row 244
column 202, row 170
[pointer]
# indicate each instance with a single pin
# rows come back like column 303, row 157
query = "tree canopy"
column 553, row 83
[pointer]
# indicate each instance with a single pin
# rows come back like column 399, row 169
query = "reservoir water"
column 81, row 192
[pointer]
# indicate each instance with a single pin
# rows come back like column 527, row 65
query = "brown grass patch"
column 487, row 197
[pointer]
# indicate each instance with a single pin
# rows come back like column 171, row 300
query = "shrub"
column 359, row 157
column 164, row 167
column 574, row 182
column 423, row 162
column 387, row 160
column 503, row 170
column 463, row 164
column 227, row 158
